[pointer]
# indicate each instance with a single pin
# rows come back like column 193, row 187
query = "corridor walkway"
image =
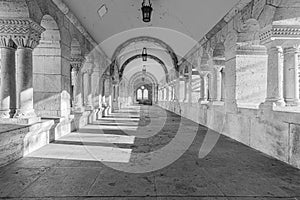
column 144, row 152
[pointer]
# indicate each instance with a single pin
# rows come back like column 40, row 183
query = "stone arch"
column 136, row 81
column 47, row 71
column 139, row 75
column 152, row 57
column 161, row 43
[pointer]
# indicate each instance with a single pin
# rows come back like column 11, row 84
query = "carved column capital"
column 7, row 42
column 24, row 32
column 76, row 63
column 218, row 68
column 204, row 73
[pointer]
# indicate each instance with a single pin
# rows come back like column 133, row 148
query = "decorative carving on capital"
column 204, row 74
column 219, row 68
column 6, row 41
column 76, row 63
column 249, row 32
column 24, row 32
column 279, row 32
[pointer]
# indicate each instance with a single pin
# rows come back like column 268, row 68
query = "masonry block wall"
column 255, row 74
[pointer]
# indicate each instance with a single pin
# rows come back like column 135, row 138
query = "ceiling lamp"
column 144, row 54
column 146, row 11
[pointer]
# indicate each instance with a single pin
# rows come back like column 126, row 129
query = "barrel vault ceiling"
column 179, row 22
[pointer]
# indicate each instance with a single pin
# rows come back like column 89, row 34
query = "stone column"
column 87, row 71
column 187, row 89
column 24, row 84
column 153, row 93
column 218, row 82
column 89, row 105
column 76, row 64
column 291, row 76
column 26, row 43
column 196, row 86
column 182, row 87
column 204, row 87
column 96, row 87
column 275, row 77
column 8, row 78
column 223, row 90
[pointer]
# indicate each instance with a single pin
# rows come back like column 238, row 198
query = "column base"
column 217, row 103
column 203, row 101
column 272, row 104
column 295, row 102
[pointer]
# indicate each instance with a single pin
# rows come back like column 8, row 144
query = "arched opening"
column 144, row 94
column 47, row 71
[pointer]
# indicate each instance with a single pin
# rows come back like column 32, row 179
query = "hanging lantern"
column 146, row 11
column 144, row 54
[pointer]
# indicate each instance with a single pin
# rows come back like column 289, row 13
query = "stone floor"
column 148, row 153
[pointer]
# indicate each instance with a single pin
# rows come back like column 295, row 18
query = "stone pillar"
column 24, row 84
column 26, row 43
column 211, row 86
column 204, row 87
column 76, row 64
column 25, row 34
column 195, row 86
column 218, row 82
column 8, row 78
column 275, row 77
column 89, row 105
column 291, row 76
column 223, row 90
column 96, row 87
column 187, row 89
column 87, row 71
column 182, row 87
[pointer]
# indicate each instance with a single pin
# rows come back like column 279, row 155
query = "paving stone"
column 67, row 169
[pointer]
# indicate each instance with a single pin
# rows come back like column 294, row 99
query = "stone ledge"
column 20, row 121
column 17, row 141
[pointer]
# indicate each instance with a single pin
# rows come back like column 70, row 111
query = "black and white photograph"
column 149, row 99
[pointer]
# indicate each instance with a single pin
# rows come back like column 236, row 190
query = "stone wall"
column 249, row 88
column 48, row 60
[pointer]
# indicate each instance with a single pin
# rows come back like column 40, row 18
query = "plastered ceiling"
column 180, row 23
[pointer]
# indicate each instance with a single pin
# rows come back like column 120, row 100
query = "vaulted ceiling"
column 180, row 23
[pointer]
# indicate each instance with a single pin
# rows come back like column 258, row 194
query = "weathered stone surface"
column 67, row 167
column 295, row 145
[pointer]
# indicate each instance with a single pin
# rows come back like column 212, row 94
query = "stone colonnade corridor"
column 97, row 162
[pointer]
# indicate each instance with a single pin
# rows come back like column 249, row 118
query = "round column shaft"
column 8, row 82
